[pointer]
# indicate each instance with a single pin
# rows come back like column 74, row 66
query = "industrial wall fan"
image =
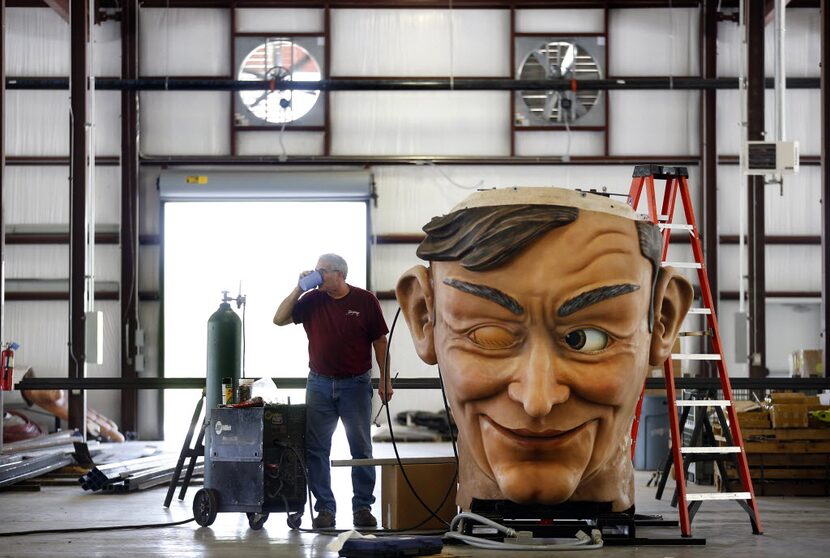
column 540, row 58
column 276, row 58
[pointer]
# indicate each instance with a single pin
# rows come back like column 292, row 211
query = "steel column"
column 79, row 295
column 825, row 184
column 2, row 185
column 709, row 150
column 129, row 215
column 755, row 189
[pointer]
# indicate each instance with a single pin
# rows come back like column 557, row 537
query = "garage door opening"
column 260, row 248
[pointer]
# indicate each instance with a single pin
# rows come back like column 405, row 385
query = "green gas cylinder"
column 224, row 352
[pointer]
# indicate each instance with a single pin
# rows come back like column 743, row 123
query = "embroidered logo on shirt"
column 352, row 313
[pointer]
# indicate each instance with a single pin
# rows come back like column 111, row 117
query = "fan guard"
column 559, row 59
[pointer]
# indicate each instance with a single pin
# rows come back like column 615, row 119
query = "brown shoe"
column 364, row 518
column 324, row 520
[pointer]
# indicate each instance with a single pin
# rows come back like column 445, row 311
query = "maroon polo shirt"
column 340, row 331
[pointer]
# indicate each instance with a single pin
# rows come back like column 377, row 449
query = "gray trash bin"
column 652, row 434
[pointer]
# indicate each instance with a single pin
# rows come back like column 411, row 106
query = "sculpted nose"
column 537, row 385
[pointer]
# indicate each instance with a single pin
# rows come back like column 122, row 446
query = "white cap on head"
column 548, row 196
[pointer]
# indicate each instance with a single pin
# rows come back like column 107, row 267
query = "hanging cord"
column 432, row 164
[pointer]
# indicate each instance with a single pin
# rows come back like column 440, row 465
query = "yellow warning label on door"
column 196, row 179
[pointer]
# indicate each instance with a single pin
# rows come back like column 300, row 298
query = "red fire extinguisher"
column 7, row 360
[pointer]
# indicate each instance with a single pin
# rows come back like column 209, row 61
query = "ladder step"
column 703, row 403
column 693, row 356
column 676, row 227
column 662, row 218
column 707, row 333
column 699, row 311
column 712, row 449
column 718, row 496
column 684, row 265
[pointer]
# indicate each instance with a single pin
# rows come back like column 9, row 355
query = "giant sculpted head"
column 544, row 310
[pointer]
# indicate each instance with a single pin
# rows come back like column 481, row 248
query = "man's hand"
column 385, row 391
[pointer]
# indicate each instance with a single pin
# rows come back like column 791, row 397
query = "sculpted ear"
column 414, row 294
column 672, row 299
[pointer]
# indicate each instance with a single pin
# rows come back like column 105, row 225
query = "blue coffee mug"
column 313, row 279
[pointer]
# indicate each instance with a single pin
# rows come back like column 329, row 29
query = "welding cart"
column 254, row 463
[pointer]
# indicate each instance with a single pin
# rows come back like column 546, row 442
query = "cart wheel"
column 257, row 520
column 294, row 520
column 205, row 506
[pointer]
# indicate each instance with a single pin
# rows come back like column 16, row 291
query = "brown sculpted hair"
column 483, row 238
column 486, row 237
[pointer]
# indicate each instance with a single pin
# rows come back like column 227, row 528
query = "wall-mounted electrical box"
column 770, row 157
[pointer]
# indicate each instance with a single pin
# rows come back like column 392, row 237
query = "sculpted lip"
column 523, row 435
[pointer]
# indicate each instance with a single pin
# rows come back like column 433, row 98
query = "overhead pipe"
column 386, row 84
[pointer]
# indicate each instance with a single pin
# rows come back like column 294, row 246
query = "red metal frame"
column 673, row 186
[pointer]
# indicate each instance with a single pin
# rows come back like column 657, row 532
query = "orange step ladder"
column 688, row 503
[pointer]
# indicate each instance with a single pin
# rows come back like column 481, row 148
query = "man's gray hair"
column 337, row 263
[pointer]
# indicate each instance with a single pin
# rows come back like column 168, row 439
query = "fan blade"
column 551, row 101
column 568, row 60
column 543, row 61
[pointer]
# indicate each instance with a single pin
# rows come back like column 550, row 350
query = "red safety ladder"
column 688, row 503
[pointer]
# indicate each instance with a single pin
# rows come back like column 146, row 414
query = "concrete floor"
column 795, row 527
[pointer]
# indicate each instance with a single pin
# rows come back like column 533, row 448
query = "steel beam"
column 402, row 383
column 79, row 292
column 129, row 215
column 405, row 84
column 755, row 192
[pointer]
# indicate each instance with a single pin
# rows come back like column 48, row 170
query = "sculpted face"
column 544, row 358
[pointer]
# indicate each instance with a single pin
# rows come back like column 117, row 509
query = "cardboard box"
column 754, row 419
column 805, row 363
column 793, row 397
column 789, row 415
column 402, row 510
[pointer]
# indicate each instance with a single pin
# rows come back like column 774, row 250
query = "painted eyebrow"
column 594, row 296
column 488, row 293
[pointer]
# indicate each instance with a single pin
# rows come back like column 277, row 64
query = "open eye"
column 586, row 340
column 492, row 337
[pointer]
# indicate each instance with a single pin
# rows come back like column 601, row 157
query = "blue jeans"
column 350, row 400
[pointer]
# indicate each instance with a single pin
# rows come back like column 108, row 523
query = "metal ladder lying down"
column 688, row 503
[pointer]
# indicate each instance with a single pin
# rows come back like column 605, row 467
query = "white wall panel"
column 802, row 45
column 420, row 123
column 51, row 261
column 184, row 42
column 148, row 268
column 41, row 330
column 796, row 212
column 107, row 123
column 37, row 43
column 24, row 190
column 390, row 261
column 559, row 143
column 295, row 20
column 148, row 399
column 560, row 21
column 801, row 112
column 107, row 195
column 648, row 42
column 184, row 123
column 46, row 261
column 268, row 143
column 419, row 43
column 106, row 49
column 409, row 196
column 654, row 122
column 788, row 268
column 37, row 123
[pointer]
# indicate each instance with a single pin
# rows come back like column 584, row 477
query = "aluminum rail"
column 377, row 84
column 401, row 383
